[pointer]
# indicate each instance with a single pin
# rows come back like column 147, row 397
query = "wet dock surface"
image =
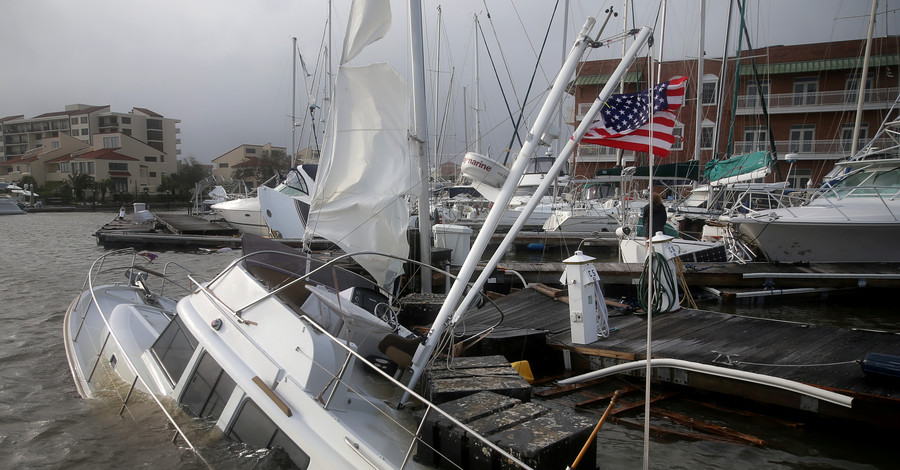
column 825, row 357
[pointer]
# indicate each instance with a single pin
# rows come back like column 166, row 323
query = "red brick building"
column 810, row 92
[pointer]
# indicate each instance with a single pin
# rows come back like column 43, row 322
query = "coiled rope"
column 663, row 282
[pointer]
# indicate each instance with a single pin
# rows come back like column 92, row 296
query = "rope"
column 687, row 298
column 663, row 283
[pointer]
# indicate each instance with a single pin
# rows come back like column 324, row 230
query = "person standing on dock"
column 659, row 216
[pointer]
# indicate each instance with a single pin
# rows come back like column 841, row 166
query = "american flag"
column 624, row 119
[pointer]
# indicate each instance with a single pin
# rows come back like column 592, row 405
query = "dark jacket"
column 659, row 218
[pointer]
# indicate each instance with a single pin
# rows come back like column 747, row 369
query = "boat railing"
column 109, row 269
column 429, row 407
column 100, row 272
column 753, row 200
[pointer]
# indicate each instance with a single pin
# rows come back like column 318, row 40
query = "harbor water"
column 45, row 424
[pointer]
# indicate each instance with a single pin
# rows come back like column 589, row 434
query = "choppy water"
column 44, row 423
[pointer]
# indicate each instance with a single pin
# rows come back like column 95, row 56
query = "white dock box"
column 456, row 237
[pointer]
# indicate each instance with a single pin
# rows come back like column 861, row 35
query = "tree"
column 182, row 182
column 104, row 186
column 261, row 169
column 79, row 183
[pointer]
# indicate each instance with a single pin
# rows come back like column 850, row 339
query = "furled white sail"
column 369, row 21
column 366, row 170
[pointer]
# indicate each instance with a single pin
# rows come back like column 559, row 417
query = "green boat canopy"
column 739, row 168
column 684, row 170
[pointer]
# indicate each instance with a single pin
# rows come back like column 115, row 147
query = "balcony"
column 809, row 149
column 823, row 101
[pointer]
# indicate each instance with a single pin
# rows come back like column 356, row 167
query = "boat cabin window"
column 294, row 185
column 254, row 428
column 867, row 183
column 208, row 389
column 174, row 348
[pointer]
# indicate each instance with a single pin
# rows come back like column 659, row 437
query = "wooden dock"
column 733, row 275
column 824, row 357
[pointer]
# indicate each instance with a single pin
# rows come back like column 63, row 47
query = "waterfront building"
column 135, row 150
column 810, row 93
column 242, row 155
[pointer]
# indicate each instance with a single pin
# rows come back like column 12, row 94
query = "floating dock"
column 825, row 357
column 731, row 279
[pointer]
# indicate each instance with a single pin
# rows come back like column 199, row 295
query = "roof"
column 104, row 154
column 11, row 118
column 603, row 78
column 147, row 112
column 73, row 112
column 119, row 173
column 821, row 65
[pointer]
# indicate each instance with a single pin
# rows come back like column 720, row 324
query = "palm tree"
column 104, row 186
column 78, row 183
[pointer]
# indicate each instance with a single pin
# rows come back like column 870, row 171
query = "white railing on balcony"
column 842, row 99
column 835, row 148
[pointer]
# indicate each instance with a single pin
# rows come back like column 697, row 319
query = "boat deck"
column 825, row 357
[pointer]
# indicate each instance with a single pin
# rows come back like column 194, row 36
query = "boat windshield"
column 869, row 184
column 293, row 185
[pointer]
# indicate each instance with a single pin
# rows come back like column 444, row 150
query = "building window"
column 153, row 174
column 110, row 142
column 755, row 138
column 798, row 178
column 126, row 120
column 223, row 165
column 847, row 136
column 162, row 158
column 64, row 167
column 118, row 166
column 74, row 121
column 54, row 144
column 154, row 124
column 90, row 168
column 84, row 119
column 149, row 159
column 126, row 131
column 802, row 137
column 805, row 90
column 250, row 151
column 706, row 137
column 678, row 134
column 754, row 89
column 708, row 92
column 582, row 110
column 851, row 89
column 84, row 132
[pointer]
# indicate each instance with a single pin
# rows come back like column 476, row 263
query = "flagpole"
column 651, row 102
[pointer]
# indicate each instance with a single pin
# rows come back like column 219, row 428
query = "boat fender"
column 884, row 366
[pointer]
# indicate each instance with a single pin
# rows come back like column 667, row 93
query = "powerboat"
column 278, row 351
column 855, row 220
column 244, row 214
column 285, row 208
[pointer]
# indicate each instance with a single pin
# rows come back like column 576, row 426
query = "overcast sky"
column 223, row 67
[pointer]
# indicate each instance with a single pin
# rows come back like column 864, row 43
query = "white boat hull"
column 244, row 215
column 284, row 215
column 811, row 242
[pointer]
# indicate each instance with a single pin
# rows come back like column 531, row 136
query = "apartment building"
column 246, row 154
column 135, row 150
column 809, row 91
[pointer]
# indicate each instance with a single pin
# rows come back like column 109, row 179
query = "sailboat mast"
column 294, row 102
column 698, row 116
column 420, row 134
column 477, row 95
column 854, row 145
